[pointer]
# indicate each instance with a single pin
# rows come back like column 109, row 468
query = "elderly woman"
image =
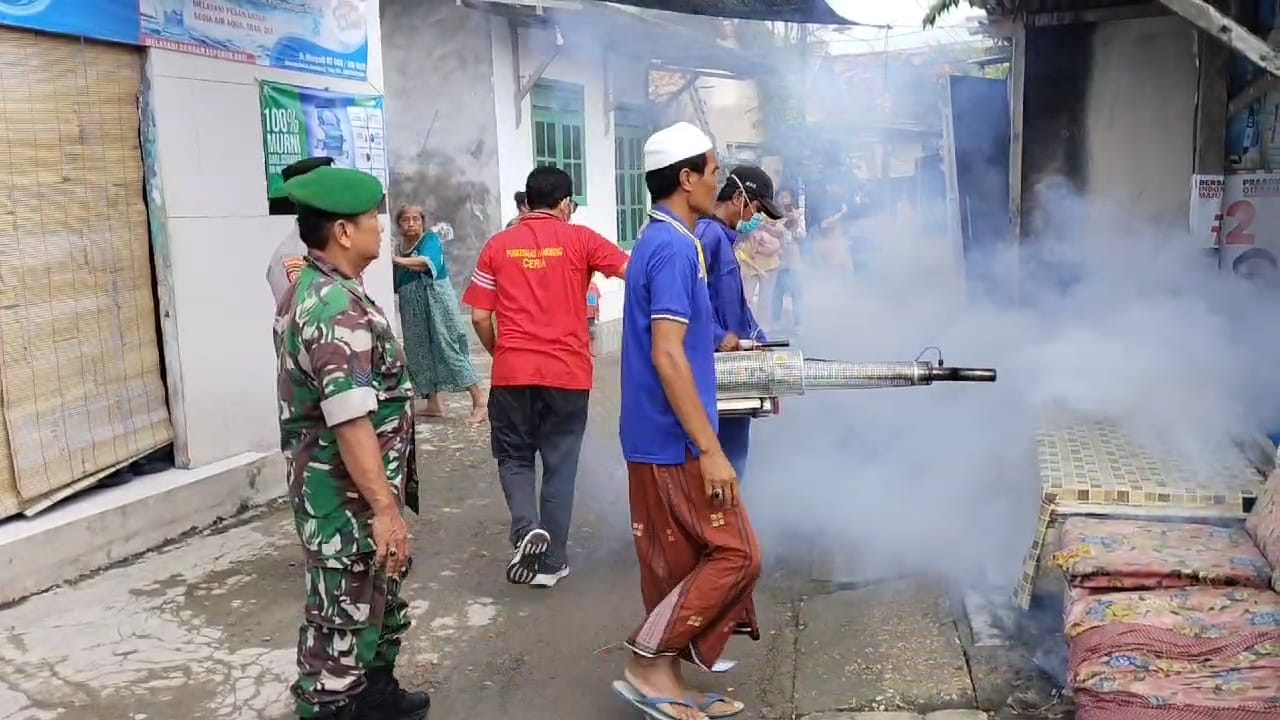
column 434, row 342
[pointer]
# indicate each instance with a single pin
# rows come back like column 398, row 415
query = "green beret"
column 337, row 191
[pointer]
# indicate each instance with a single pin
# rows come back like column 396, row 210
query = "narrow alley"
column 206, row 627
column 856, row 188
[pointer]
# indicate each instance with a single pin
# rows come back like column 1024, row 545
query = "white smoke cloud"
column 1113, row 322
column 1110, row 320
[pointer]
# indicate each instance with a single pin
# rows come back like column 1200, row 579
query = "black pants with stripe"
column 524, row 423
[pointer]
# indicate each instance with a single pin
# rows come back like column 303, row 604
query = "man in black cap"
column 522, row 208
column 290, row 254
column 745, row 199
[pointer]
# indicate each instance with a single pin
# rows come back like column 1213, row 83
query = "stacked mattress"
column 1174, row 621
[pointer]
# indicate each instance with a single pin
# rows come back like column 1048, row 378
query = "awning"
column 661, row 40
column 817, row 12
column 627, row 30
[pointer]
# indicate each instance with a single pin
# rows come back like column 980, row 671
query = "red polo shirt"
column 534, row 276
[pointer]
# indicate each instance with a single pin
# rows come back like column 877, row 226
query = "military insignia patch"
column 362, row 377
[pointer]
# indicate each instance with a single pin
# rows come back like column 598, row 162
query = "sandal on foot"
column 710, row 699
column 649, row 705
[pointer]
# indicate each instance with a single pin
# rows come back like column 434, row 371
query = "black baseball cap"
column 758, row 186
column 304, row 166
column 293, row 170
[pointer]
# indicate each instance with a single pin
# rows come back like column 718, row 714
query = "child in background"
column 593, row 308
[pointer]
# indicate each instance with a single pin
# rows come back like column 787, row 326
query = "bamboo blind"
column 80, row 379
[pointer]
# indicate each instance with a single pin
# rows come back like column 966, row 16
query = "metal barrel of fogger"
column 745, row 379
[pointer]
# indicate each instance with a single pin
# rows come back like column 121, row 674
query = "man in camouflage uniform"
column 346, row 425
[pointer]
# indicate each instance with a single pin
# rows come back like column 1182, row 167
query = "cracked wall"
column 441, row 128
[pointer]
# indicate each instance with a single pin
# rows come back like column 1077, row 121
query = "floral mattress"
column 1138, row 554
column 1175, row 654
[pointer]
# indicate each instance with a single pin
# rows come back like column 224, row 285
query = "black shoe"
column 384, row 699
column 528, row 557
column 342, row 712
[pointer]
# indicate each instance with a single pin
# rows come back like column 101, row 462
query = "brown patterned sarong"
column 698, row 565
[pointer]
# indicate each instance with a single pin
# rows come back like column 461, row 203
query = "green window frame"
column 560, row 132
column 629, row 134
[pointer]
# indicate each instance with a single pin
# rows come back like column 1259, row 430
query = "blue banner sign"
column 110, row 20
column 326, row 37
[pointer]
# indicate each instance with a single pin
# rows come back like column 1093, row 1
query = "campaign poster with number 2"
column 301, row 122
column 1249, row 229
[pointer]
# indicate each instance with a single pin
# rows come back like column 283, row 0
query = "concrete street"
column 206, row 628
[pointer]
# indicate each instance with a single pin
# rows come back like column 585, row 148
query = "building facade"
column 485, row 90
column 142, row 141
column 135, row 237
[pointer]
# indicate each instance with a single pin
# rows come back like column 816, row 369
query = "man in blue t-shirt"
column 699, row 557
column 743, row 203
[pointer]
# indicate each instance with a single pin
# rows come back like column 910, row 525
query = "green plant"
column 937, row 9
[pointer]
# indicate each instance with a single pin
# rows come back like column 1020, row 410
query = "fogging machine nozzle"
column 747, row 382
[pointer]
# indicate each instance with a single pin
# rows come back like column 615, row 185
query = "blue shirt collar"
column 728, row 231
column 666, row 213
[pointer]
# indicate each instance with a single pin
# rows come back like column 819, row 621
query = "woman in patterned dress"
column 434, row 339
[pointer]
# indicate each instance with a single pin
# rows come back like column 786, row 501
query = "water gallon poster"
column 326, row 37
column 300, row 122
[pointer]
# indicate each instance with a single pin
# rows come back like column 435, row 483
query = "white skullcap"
column 670, row 145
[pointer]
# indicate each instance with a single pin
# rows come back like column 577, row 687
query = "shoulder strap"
column 697, row 244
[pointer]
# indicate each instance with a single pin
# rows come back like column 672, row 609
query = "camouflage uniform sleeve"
column 337, row 346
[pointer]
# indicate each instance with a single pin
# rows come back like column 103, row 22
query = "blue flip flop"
column 648, row 705
column 712, row 699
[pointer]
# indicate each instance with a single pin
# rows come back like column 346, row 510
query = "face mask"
column 747, row 227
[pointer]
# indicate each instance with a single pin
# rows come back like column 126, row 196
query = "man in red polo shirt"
column 533, row 279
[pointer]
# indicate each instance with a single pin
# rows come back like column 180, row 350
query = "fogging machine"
column 749, row 381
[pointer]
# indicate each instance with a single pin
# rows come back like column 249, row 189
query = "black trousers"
column 525, row 422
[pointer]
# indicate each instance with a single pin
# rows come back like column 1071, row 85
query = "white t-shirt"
column 289, row 248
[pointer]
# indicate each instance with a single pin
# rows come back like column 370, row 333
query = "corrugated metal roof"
column 802, row 11
column 1012, row 7
column 680, row 41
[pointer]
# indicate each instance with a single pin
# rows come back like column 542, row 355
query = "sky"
column 903, row 18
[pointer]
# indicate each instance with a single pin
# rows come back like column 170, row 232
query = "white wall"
column 582, row 63
column 733, row 110
column 220, row 238
column 1140, row 118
